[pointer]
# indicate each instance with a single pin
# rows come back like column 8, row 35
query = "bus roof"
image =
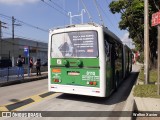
column 111, row 34
column 76, row 25
column 89, row 25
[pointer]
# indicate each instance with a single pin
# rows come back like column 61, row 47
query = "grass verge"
column 149, row 90
column 146, row 91
column 152, row 76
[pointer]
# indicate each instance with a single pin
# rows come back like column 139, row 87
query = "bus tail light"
column 56, row 80
column 93, row 83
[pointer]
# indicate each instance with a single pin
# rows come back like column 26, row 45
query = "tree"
column 132, row 20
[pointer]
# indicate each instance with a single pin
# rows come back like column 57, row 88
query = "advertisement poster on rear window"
column 74, row 44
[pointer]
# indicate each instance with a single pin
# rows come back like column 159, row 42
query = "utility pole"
column 146, row 42
column 0, row 29
column 13, row 21
column 13, row 25
column 1, row 26
column 158, row 72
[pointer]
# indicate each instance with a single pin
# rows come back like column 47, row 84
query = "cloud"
column 126, row 40
column 17, row 2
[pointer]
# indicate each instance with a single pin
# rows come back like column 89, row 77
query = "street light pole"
column 146, row 42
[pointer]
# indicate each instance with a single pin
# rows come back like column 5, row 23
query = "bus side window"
column 107, row 51
column 116, row 52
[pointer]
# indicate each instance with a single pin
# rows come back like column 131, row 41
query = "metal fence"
column 9, row 74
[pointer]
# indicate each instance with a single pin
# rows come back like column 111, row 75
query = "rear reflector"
column 94, row 83
column 56, row 70
column 56, row 80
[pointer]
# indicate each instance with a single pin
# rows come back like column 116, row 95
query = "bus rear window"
column 74, row 44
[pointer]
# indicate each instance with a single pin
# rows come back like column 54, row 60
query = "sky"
column 33, row 18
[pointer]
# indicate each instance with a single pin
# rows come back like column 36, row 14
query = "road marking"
column 46, row 94
column 26, row 102
column 36, row 98
column 2, row 108
column 25, row 106
column 19, row 104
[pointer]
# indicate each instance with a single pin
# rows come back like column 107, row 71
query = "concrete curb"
column 130, row 103
column 129, row 106
column 23, row 80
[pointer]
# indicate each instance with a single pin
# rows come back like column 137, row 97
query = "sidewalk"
column 141, row 104
column 17, row 80
column 147, row 104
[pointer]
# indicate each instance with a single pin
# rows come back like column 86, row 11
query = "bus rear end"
column 74, row 65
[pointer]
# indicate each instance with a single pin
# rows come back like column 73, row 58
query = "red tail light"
column 91, row 83
column 56, row 80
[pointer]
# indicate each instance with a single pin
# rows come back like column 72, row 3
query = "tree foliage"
column 132, row 20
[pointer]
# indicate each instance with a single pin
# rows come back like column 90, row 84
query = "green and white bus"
column 86, row 59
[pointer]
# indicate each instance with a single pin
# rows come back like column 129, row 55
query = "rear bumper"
column 81, row 90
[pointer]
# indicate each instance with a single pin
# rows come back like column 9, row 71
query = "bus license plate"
column 73, row 73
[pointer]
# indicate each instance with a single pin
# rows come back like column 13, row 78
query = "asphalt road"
column 67, row 102
column 15, row 93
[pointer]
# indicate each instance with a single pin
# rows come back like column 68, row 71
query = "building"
column 12, row 48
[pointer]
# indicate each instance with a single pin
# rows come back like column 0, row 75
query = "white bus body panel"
column 73, row 89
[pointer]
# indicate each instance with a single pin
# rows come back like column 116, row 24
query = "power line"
column 5, row 16
column 86, row 10
column 53, row 7
column 114, row 16
column 101, row 19
column 23, row 37
column 24, row 23
column 107, row 16
column 57, row 9
column 54, row 3
column 57, row 6
column 32, row 26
